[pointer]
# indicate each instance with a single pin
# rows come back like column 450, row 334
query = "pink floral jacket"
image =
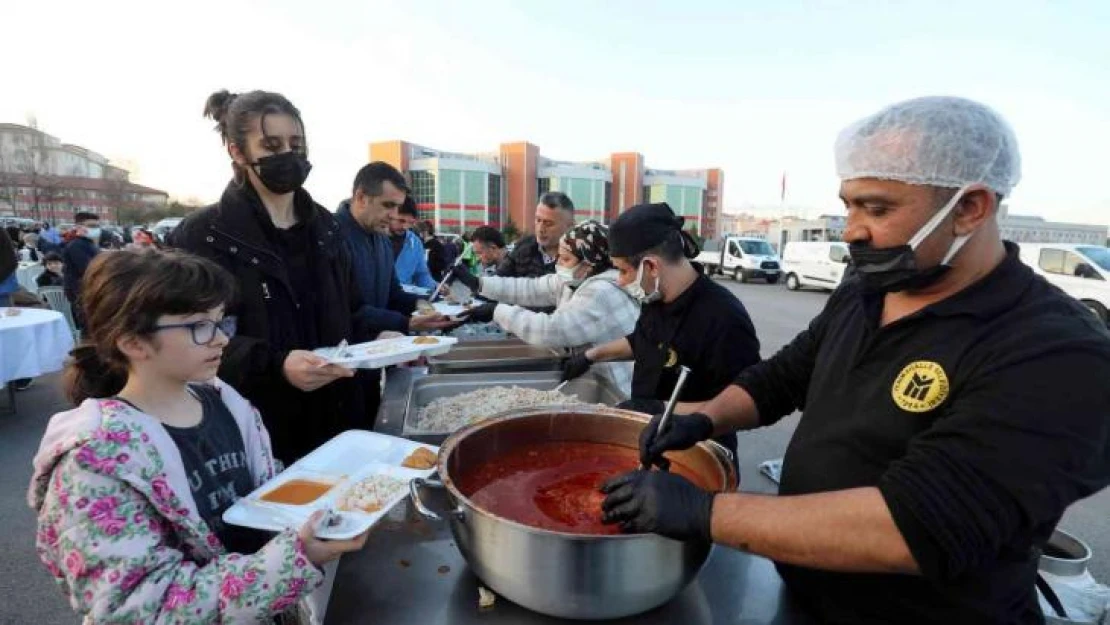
column 119, row 530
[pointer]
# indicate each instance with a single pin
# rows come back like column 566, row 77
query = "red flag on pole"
column 782, row 195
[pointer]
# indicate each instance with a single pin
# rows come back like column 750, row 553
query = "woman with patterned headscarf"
column 590, row 308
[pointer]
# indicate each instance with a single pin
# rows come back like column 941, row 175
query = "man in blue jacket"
column 378, row 189
column 9, row 262
column 76, row 256
column 408, row 250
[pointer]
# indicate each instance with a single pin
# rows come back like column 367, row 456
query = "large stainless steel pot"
column 569, row 575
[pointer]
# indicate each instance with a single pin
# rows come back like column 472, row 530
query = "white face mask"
column 93, row 234
column 636, row 288
column 567, row 274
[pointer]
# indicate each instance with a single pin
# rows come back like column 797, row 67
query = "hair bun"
column 85, row 356
column 215, row 108
column 87, row 375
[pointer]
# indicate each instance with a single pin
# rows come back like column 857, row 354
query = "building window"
column 608, row 202
column 495, row 199
column 424, row 193
column 543, row 185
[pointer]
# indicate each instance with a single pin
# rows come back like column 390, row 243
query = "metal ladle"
column 683, row 372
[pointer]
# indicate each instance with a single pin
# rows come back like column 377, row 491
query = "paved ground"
column 27, row 595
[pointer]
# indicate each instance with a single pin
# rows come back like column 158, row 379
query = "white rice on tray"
column 370, row 494
column 448, row 414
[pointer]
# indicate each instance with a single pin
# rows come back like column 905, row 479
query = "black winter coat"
column 525, row 261
column 76, row 257
column 9, row 262
column 238, row 234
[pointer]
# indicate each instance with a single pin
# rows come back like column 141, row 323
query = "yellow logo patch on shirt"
column 672, row 356
column 921, row 386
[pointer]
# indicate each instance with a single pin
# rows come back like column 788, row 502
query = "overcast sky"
column 754, row 87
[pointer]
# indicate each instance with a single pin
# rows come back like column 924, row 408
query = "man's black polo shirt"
column 705, row 328
column 980, row 419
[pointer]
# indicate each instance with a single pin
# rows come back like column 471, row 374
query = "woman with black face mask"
column 296, row 285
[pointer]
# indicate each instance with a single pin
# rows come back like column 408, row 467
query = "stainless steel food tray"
column 495, row 357
column 590, row 388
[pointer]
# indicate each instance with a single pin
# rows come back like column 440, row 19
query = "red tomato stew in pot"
column 554, row 485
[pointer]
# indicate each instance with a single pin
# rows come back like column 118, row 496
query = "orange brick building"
column 459, row 191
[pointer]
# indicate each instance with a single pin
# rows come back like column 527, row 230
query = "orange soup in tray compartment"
column 297, row 487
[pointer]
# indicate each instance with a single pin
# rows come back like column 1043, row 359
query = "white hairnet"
column 937, row 141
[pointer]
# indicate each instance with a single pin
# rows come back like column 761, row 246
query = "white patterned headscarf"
column 589, row 242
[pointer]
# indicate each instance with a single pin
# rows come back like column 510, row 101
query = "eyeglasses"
column 204, row 331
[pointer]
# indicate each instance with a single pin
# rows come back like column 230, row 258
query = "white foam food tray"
column 343, row 461
column 386, row 352
column 415, row 290
column 448, row 309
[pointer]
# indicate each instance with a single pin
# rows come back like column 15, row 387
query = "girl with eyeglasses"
column 130, row 486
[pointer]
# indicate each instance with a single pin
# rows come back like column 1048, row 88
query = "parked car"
column 743, row 258
column 815, row 264
column 1081, row 271
column 163, row 228
column 19, row 222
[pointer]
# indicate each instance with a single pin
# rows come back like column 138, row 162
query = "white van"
column 743, row 258
column 818, row 264
column 1081, row 271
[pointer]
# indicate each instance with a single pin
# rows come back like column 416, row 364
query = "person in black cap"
column 685, row 319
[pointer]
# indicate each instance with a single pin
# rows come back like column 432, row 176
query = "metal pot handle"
column 730, row 459
column 722, row 450
column 414, row 490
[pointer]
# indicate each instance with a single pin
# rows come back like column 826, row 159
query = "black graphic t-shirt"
column 215, row 460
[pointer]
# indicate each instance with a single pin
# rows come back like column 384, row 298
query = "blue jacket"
column 411, row 265
column 388, row 306
column 8, row 286
column 8, row 266
column 76, row 257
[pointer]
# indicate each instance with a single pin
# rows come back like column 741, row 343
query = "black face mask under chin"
column 282, row 173
column 891, row 269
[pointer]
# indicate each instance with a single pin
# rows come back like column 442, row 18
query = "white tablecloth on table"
column 32, row 343
column 26, row 275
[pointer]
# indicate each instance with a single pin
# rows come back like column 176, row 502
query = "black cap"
column 642, row 228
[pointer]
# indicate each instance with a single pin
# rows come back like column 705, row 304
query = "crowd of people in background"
column 420, row 257
column 64, row 253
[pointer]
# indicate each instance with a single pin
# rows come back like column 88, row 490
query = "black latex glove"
column 460, row 273
column 660, row 503
column 683, row 432
column 483, row 313
column 575, row 366
column 644, row 405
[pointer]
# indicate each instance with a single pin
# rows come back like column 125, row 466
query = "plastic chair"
column 55, row 296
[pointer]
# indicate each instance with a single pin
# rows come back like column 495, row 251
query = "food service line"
column 412, row 572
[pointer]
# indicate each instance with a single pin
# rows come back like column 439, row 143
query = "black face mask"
column 282, row 173
column 891, row 269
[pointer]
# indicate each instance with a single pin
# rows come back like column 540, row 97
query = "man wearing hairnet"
column 954, row 404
